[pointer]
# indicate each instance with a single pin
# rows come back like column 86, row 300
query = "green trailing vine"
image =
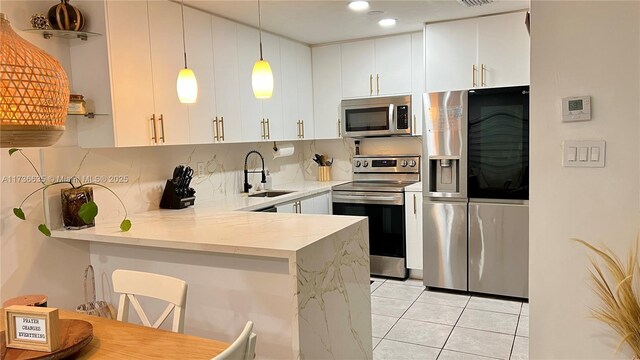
column 87, row 212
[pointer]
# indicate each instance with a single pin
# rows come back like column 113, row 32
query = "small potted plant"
column 78, row 208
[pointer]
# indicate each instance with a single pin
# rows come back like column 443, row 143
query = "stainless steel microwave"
column 379, row 116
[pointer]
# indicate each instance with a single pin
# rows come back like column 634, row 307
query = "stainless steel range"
column 377, row 191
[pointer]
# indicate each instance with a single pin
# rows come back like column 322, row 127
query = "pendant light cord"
column 184, row 46
column 259, row 27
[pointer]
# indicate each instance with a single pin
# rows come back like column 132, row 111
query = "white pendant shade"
column 262, row 80
column 187, row 86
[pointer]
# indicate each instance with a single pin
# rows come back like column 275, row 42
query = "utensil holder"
column 171, row 200
column 324, row 173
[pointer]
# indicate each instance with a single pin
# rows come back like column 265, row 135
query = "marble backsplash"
column 138, row 175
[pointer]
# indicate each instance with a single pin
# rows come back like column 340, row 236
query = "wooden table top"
column 118, row 340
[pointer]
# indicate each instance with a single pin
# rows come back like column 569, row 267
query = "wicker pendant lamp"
column 34, row 93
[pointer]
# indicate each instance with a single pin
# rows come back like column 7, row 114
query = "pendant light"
column 262, row 77
column 34, row 93
column 186, row 85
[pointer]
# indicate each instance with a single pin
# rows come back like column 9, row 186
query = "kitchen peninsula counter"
column 302, row 279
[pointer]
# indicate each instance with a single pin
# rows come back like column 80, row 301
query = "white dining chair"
column 131, row 283
column 243, row 348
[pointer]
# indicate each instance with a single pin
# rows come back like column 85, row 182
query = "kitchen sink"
column 269, row 194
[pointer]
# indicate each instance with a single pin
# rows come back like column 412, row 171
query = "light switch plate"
column 590, row 153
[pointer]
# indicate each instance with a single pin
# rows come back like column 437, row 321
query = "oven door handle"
column 368, row 199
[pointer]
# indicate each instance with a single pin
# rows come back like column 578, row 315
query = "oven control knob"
column 412, row 163
column 357, row 163
column 365, row 163
column 403, row 163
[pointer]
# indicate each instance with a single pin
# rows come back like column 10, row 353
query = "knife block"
column 171, row 200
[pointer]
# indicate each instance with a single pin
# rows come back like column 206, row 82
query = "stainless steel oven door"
column 386, row 228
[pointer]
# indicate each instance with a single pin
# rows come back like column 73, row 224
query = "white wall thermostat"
column 576, row 108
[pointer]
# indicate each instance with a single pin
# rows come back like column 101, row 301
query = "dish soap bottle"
column 269, row 184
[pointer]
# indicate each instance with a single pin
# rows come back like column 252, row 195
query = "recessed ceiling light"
column 388, row 22
column 359, row 5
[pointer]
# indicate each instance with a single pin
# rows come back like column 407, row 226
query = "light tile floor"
column 412, row 323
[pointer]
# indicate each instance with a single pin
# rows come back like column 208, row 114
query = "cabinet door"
column 165, row 29
column 503, row 49
column 290, row 113
column 327, row 91
column 358, row 69
column 305, row 90
column 413, row 221
column 393, row 65
column 307, row 206
column 286, row 208
column 250, row 107
column 199, row 42
column 130, row 56
column 227, row 89
column 417, row 80
column 451, row 53
column 272, row 108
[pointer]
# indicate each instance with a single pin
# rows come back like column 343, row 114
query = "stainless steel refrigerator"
column 475, row 188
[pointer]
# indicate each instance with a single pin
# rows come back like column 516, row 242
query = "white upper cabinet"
column 358, row 69
column 376, row 67
column 490, row 51
column 327, row 91
column 417, row 81
column 253, row 123
column 503, row 50
column 451, row 52
column 272, row 108
column 167, row 59
column 305, row 91
column 199, row 44
column 297, row 89
column 130, row 65
column 393, row 65
column 227, row 121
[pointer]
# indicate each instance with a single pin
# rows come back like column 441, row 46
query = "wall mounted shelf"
column 65, row 34
column 88, row 115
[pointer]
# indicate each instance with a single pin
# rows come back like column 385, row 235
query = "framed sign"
column 32, row 328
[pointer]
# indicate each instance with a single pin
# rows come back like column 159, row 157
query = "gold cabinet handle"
column 339, row 128
column 482, row 70
column 298, row 129
column 302, row 127
column 473, row 75
column 161, row 120
column 268, row 129
column 378, row 83
column 154, row 129
column 370, row 84
column 299, row 207
column 415, row 211
column 215, row 129
column 263, row 132
column 222, row 127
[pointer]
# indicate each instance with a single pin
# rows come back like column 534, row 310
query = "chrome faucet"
column 248, row 186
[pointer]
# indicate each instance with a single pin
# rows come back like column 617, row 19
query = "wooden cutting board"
column 74, row 335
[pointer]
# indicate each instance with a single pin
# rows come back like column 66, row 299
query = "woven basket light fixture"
column 34, row 93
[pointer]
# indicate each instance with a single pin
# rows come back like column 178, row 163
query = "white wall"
column 580, row 48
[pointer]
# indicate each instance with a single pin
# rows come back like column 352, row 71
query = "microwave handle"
column 392, row 117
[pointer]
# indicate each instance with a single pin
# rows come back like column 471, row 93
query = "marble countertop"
column 241, row 202
column 213, row 226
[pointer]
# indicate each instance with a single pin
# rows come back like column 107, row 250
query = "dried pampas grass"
column 616, row 284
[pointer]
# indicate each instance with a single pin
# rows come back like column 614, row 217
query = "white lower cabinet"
column 320, row 204
column 413, row 223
